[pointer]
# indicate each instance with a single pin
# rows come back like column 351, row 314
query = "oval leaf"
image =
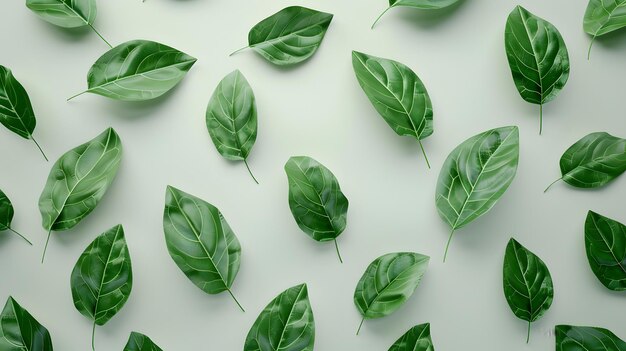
column 537, row 57
column 65, row 13
column 286, row 324
column 604, row 16
column 417, row 4
column 398, row 95
column 140, row 342
column 475, row 175
column 573, row 338
column 20, row 331
column 528, row 285
column 605, row 242
column 201, row 242
column 415, row 339
column 6, row 216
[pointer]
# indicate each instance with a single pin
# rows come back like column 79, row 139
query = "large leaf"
column 6, row 216
column 140, row 342
column 605, row 242
column 290, row 36
column 415, row 339
column 102, row 277
column 573, row 338
column 16, row 111
column 201, row 242
column 78, row 181
column 231, row 118
column 417, row 4
column 398, row 95
column 315, row 199
column 528, row 285
column 286, row 324
column 604, row 16
column 593, row 161
column 475, row 175
column 20, row 331
column 387, row 283
column 537, row 57
column 137, row 70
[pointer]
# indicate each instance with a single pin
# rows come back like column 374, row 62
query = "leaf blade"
column 65, row 13
column 140, row 342
column 602, row 17
column 574, row 338
column 20, row 331
column 415, row 339
column 605, row 244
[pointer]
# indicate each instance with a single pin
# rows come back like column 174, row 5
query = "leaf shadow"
column 612, row 40
column 69, row 35
column 429, row 18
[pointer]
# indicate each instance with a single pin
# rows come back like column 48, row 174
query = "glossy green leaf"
column 78, row 181
column 387, row 283
column 605, row 242
column 415, row 339
column 475, row 175
column 140, row 342
column 398, row 95
column 102, row 278
column 315, row 199
column 604, row 16
column 528, row 285
column 593, row 161
column 6, row 216
column 573, row 338
column 417, row 4
column 201, row 242
column 286, row 324
column 231, row 118
column 537, row 57
column 20, row 331
column 16, row 111
column 137, row 70
column 290, row 36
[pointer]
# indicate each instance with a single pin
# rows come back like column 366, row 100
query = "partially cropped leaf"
column 417, row 4
column 20, row 331
column 398, row 95
column 573, row 338
column 6, row 215
column 415, row 339
column 231, row 118
column 388, row 282
column 290, row 36
column 137, row 70
column 605, row 241
column 315, row 199
column 102, row 278
column 201, row 242
column 604, row 16
column 286, row 324
column 537, row 57
column 528, row 285
column 140, row 342
column 475, row 175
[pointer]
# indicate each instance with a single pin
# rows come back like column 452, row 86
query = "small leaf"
column 140, row 342
column 290, row 36
column 602, row 17
column 102, row 278
column 315, row 199
column 231, row 118
column 573, row 338
column 537, row 57
column 286, row 324
column 528, row 285
column 398, row 95
column 605, row 242
column 387, row 283
column 6, row 216
column 417, row 4
column 415, row 339
column 20, row 331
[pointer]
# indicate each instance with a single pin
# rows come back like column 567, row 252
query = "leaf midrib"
column 530, row 40
column 519, row 265
column 293, row 307
column 19, row 117
column 619, row 263
column 281, row 37
column 106, row 265
column 604, row 25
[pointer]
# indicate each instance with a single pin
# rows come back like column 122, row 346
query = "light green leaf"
column 417, row 4
column 602, row 17
column 20, row 331
column 573, row 338
column 605, row 243
column 415, row 339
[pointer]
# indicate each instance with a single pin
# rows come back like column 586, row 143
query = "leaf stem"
column 381, row 15
column 100, row 35
column 590, row 45
column 445, row 255
column 236, row 51
column 551, row 184
column 249, row 171
column 360, row 325
column 528, row 334
column 93, row 335
column 45, row 248
column 234, row 298
column 22, row 236
column 337, row 249
column 40, row 149
column 424, row 153
column 540, row 118
column 77, row 95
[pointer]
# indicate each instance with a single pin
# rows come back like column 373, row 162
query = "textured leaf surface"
column 423, row 4
column 140, row 342
column 20, row 331
column 604, row 16
column 6, row 212
column 573, row 338
column 605, row 242
column 16, row 111
column 415, row 339
column 65, row 13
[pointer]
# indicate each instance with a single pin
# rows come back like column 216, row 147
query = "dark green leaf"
column 65, row 13
column 286, row 324
column 398, row 95
column 604, row 16
column 537, row 57
column 475, row 175
column 315, row 199
column 417, row 4
column 140, row 342
column 415, row 339
column 572, row 338
column 605, row 241
column 20, row 331
column 527, row 283
column 6, row 215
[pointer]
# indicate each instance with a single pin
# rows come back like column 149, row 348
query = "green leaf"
column 593, row 161
column 231, row 118
column 78, row 181
column 315, row 199
column 290, row 36
column 102, row 278
column 604, row 16
column 20, row 331
column 387, row 283
column 528, row 285
column 605, row 242
column 286, row 324
column 6, row 216
column 201, row 242
column 140, row 342
column 137, row 70
column 417, row 4
column 398, row 95
column 537, row 57
column 475, row 175
column 573, row 338
column 415, row 339
column 16, row 111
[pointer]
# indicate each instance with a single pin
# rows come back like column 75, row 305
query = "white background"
column 314, row 109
